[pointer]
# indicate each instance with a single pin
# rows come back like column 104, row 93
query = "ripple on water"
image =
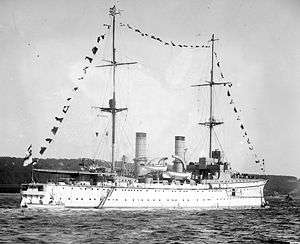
column 277, row 224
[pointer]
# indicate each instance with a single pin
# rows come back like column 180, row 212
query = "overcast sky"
column 43, row 45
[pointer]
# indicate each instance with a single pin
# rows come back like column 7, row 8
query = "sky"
column 43, row 45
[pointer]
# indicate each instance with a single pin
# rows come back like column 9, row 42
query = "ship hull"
column 146, row 196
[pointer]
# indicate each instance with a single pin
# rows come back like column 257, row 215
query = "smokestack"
column 140, row 150
column 179, row 151
column 179, row 146
column 140, row 145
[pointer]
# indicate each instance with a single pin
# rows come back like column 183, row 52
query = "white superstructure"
column 236, row 193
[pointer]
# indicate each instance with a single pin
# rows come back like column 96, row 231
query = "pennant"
column 242, row 127
column 85, row 68
column 107, row 26
column 54, row 130
column 66, row 108
column 228, row 93
column 129, row 26
column 59, row 119
column 28, row 157
column 49, row 140
column 69, row 98
column 43, row 149
column 235, row 110
column 218, row 64
column 94, row 50
column 75, row 88
column 89, row 59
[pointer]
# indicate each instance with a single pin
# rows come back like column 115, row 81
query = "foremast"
column 112, row 102
column 211, row 120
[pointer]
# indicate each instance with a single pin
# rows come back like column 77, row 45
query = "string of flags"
column 158, row 39
column 66, row 107
column 28, row 157
column 238, row 118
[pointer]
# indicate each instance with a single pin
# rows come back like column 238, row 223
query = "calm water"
column 278, row 224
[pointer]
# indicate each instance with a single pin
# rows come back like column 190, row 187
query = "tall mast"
column 113, row 106
column 112, row 102
column 211, row 121
column 211, row 94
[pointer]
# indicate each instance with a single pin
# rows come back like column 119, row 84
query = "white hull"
column 209, row 195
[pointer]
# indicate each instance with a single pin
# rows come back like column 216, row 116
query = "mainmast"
column 113, row 13
column 112, row 102
column 211, row 121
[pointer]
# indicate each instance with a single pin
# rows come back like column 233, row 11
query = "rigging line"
column 127, row 138
column 194, row 149
column 123, row 129
column 220, row 145
column 103, row 138
column 101, row 141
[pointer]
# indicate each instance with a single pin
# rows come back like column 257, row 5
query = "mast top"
column 213, row 38
column 113, row 11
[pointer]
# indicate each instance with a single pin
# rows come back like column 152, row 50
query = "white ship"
column 168, row 182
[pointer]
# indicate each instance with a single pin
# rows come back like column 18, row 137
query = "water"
column 278, row 224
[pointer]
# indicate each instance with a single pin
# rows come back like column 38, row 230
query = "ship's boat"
column 164, row 182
